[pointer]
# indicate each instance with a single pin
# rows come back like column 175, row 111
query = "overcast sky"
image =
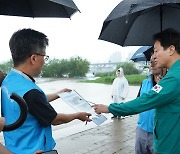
column 75, row 37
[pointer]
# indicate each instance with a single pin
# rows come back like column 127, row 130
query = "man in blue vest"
column 144, row 130
column 164, row 97
column 28, row 50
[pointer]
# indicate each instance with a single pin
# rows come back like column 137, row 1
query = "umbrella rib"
column 177, row 6
column 67, row 12
column 141, row 12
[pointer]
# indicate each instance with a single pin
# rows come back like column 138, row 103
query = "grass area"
column 132, row 79
column 135, row 79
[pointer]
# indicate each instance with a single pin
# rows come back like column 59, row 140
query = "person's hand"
column 83, row 116
column 38, row 152
column 54, row 96
column 100, row 108
column 64, row 90
column 2, row 123
column 4, row 150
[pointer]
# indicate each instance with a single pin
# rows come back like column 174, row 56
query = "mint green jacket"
column 165, row 99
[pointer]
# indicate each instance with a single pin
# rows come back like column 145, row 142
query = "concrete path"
column 116, row 137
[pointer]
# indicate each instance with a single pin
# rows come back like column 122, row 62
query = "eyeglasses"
column 46, row 57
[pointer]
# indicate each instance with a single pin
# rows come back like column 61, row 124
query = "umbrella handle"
column 24, row 111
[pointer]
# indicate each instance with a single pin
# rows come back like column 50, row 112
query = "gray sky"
column 78, row 36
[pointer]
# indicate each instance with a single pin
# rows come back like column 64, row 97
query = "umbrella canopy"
column 142, row 54
column 133, row 22
column 38, row 8
column 148, row 53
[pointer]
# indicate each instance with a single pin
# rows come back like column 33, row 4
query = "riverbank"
column 133, row 80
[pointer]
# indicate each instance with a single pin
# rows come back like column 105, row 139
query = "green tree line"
column 131, row 73
column 73, row 67
column 78, row 67
column 128, row 68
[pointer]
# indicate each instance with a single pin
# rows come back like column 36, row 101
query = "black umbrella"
column 148, row 53
column 133, row 22
column 23, row 114
column 139, row 55
column 142, row 54
column 38, row 8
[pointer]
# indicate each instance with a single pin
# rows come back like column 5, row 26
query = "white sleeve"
column 126, row 89
column 113, row 86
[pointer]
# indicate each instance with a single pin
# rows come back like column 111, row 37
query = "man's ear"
column 33, row 59
column 172, row 50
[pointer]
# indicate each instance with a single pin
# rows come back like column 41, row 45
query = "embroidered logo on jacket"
column 157, row 88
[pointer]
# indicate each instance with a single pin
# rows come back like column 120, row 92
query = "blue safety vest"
column 31, row 136
column 145, row 120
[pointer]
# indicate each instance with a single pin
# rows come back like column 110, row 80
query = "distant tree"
column 6, row 66
column 78, row 66
column 55, row 68
column 128, row 68
column 75, row 66
column 50, row 68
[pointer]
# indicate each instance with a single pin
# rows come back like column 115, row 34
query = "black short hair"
column 25, row 42
column 167, row 38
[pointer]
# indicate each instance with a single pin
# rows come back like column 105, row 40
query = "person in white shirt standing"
column 120, row 87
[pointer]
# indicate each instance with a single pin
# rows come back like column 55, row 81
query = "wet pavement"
column 115, row 137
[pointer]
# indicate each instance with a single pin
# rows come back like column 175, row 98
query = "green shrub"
column 132, row 79
column 128, row 68
column 109, row 79
column 135, row 79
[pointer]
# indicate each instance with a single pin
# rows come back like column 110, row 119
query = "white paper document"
column 80, row 104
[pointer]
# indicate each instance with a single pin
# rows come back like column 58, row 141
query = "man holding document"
column 28, row 49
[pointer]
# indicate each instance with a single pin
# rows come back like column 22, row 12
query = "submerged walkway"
column 116, row 137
